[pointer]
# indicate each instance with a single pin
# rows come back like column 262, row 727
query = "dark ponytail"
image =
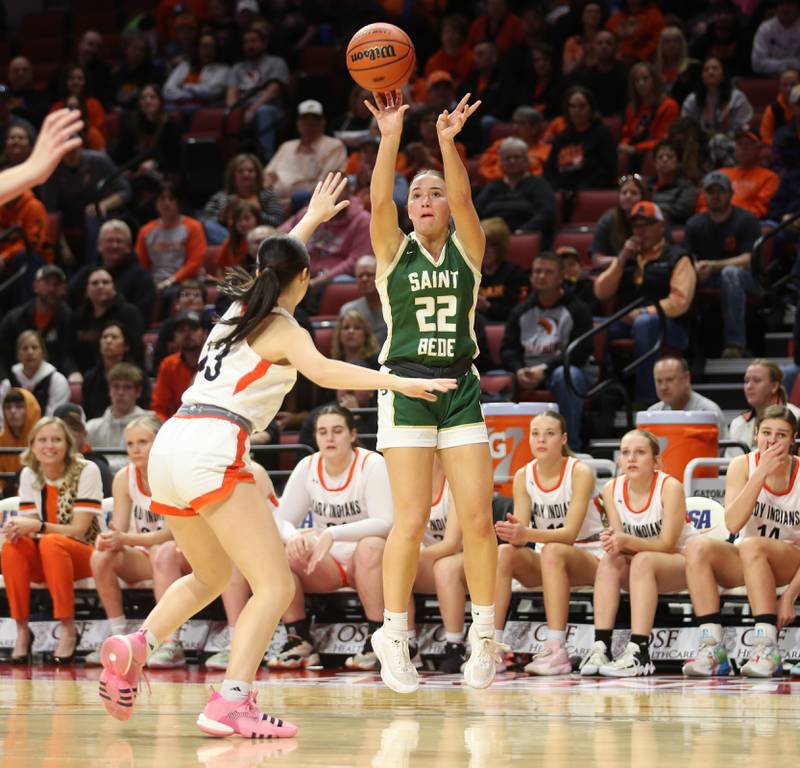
column 280, row 259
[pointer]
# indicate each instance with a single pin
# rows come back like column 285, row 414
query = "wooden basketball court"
column 51, row 716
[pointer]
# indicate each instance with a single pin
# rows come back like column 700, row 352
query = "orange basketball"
column 380, row 57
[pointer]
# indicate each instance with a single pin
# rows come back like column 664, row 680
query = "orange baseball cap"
column 644, row 209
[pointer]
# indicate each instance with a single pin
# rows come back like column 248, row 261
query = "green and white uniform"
column 429, row 309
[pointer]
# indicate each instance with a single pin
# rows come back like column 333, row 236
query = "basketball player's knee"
column 698, row 551
column 446, row 571
column 215, row 576
column 752, row 548
column 166, row 555
column 102, row 562
column 643, row 565
column 412, row 527
column 554, row 554
column 608, row 569
column 477, row 522
column 369, row 553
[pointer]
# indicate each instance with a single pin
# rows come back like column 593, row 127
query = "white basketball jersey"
column 775, row 515
column 346, row 503
column 549, row 505
column 238, row 379
column 142, row 518
column 644, row 523
column 437, row 522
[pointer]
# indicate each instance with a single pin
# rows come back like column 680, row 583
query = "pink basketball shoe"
column 553, row 659
column 123, row 657
column 226, row 718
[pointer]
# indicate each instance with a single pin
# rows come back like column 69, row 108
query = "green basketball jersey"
column 429, row 308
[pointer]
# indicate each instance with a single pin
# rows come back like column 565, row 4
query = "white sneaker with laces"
column 219, row 660
column 595, row 658
column 628, row 664
column 397, row 671
column 765, row 660
column 485, row 653
column 168, row 656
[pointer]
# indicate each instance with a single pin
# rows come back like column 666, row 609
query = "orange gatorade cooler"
column 684, row 435
column 508, row 425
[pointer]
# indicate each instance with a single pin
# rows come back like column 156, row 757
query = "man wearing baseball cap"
column 753, row 184
column 722, row 238
column 300, row 163
column 649, row 267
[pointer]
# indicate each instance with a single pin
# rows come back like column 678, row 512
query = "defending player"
column 200, row 476
column 428, row 283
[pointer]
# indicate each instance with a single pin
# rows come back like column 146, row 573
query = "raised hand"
column 57, row 137
column 450, row 123
column 323, row 205
column 389, row 112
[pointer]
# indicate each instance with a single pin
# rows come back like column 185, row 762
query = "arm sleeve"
column 59, row 393
column 173, row 88
column 27, row 494
column 160, row 401
column 215, row 204
column 295, row 500
column 681, row 288
column 378, row 497
column 196, row 247
column 213, row 82
column 141, row 248
column 90, row 490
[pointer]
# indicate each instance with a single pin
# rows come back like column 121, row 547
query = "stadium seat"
column 494, row 335
column 591, row 204
column 76, row 392
column 500, row 131
column 323, row 337
column 535, row 396
column 523, row 249
column 207, row 121
column 498, row 384
column 760, row 91
column 580, row 239
column 213, row 253
column 337, row 294
column 708, row 517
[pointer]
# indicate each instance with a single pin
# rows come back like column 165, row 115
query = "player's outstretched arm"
column 294, row 344
column 459, row 193
column 384, row 229
column 58, row 136
column 322, row 207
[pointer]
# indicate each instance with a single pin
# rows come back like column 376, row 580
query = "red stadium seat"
column 523, row 249
column 591, row 204
column 213, row 253
column 760, row 91
column 112, row 122
column 494, row 335
column 499, row 384
column 335, row 295
column 580, row 239
column 207, row 121
column 535, row 396
column 500, row 131
column 75, row 392
column 323, row 337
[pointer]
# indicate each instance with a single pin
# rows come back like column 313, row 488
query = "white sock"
column 395, row 625
column 498, row 635
column 118, row 625
column 454, row 637
column 152, row 642
column 770, row 631
column 556, row 636
column 235, row 690
column 483, row 619
column 711, row 630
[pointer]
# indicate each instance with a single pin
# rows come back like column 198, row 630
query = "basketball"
column 380, row 57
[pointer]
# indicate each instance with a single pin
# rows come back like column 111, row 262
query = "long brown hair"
column 370, row 342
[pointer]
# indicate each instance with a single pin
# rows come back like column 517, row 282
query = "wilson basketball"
column 380, row 57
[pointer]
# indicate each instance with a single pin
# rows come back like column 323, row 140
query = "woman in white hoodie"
column 34, row 373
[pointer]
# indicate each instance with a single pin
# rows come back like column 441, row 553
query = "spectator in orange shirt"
column 753, row 185
column 29, row 214
column 578, row 48
column 455, row 56
column 649, row 112
column 498, row 25
column 637, row 27
column 779, row 112
column 176, row 371
column 244, row 218
column 529, row 126
column 172, row 246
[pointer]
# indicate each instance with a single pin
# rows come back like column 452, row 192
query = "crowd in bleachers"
column 626, row 151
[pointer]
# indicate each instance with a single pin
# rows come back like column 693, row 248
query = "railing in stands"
column 764, row 273
column 7, row 234
column 614, row 381
column 613, row 445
